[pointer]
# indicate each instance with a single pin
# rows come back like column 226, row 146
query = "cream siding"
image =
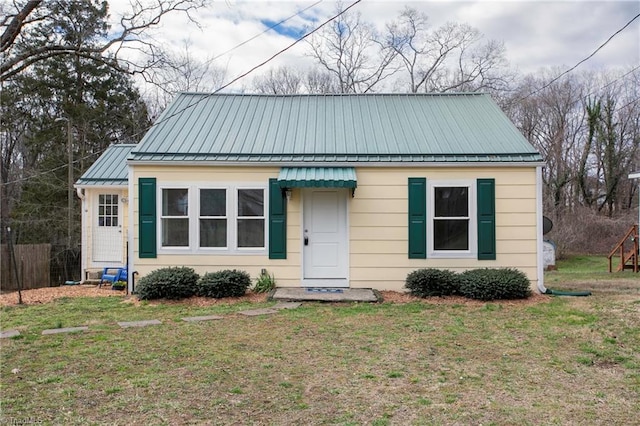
column 287, row 271
column 377, row 223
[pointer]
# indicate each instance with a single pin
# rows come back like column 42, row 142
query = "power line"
column 263, row 32
column 582, row 61
column 241, row 76
column 626, row 105
column 298, row 40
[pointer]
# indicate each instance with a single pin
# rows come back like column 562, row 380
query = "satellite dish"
column 547, row 225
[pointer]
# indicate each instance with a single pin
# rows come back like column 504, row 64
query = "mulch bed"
column 49, row 294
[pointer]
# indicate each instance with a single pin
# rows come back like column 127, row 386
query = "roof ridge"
column 317, row 95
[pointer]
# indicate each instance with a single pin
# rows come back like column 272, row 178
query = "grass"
column 566, row 361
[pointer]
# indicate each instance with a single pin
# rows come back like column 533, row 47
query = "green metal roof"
column 299, row 129
column 317, row 177
column 109, row 169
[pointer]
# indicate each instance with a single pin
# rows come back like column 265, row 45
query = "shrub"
column 119, row 285
column 225, row 283
column 492, row 284
column 432, row 282
column 265, row 283
column 168, row 283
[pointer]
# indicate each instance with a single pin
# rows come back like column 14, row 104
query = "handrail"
column 630, row 232
column 619, row 248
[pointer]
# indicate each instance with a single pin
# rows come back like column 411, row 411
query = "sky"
column 536, row 34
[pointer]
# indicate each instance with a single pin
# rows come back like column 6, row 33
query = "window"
column 451, row 224
column 451, row 218
column 108, row 210
column 213, row 218
column 175, row 217
column 250, row 218
column 222, row 219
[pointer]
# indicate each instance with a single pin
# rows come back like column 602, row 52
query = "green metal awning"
column 317, row 177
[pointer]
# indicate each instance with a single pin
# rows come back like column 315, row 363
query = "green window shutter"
column 147, row 218
column 277, row 221
column 486, row 219
column 417, row 218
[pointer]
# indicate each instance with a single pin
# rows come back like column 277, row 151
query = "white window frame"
column 111, row 215
column 232, row 218
column 471, row 252
column 237, row 217
column 227, row 190
column 163, row 217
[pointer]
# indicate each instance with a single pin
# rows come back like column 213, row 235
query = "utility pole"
column 69, row 179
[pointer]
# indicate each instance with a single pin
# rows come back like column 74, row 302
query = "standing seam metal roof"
column 466, row 127
column 110, row 168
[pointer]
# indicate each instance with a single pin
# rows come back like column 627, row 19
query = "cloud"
column 537, row 34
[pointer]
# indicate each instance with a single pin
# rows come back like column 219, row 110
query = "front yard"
column 557, row 361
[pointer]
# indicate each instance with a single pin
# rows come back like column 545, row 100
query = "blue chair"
column 113, row 274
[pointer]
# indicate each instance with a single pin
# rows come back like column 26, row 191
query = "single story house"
column 321, row 190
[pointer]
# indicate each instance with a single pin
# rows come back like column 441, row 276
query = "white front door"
column 107, row 228
column 325, row 245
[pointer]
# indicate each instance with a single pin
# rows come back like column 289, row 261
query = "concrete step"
column 322, row 294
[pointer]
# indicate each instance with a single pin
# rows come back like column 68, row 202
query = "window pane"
column 250, row 233
column 100, row 210
column 213, row 202
column 175, row 202
column 101, row 199
column 250, row 202
column 213, row 232
column 451, row 201
column 114, row 221
column 451, row 234
column 175, row 232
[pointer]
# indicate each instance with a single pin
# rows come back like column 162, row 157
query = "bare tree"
column 319, row 81
column 553, row 122
column 451, row 57
column 286, row 81
column 279, row 81
column 349, row 50
column 182, row 72
column 29, row 35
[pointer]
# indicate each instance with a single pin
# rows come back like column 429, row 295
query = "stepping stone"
column 126, row 324
column 257, row 312
column 64, row 330
column 9, row 333
column 286, row 305
column 204, row 318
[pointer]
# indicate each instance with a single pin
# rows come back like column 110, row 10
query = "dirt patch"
column 49, row 294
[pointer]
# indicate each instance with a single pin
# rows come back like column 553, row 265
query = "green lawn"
column 562, row 361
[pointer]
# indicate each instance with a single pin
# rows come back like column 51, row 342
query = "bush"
column 167, row 283
column 492, row 284
column 119, row 285
column 265, row 283
column 432, row 282
column 225, row 283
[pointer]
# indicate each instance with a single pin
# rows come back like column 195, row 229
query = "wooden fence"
column 34, row 265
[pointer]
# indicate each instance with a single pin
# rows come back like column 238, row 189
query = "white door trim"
column 342, row 279
column 117, row 234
